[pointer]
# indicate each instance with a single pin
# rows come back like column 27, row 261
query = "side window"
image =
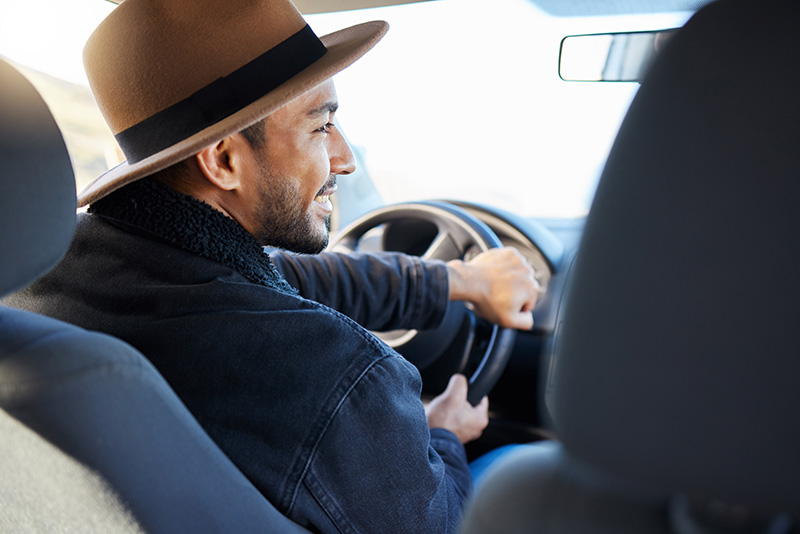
column 44, row 39
column 91, row 145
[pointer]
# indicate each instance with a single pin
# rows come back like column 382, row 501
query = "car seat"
column 92, row 439
column 675, row 370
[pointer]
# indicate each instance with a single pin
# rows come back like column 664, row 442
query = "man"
column 225, row 112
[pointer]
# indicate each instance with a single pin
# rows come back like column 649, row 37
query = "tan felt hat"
column 174, row 76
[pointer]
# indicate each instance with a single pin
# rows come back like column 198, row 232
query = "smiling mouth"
column 325, row 192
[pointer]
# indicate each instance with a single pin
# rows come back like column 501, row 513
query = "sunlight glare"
column 50, row 48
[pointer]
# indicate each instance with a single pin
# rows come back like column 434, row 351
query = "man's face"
column 295, row 173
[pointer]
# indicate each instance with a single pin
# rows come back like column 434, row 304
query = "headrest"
column 679, row 360
column 37, row 185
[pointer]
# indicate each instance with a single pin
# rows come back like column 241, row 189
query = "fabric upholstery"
column 102, row 404
column 37, row 186
column 92, row 439
column 678, row 360
column 36, row 474
column 675, row 369
column 543, row 489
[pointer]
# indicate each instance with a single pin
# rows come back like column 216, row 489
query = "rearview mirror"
column 610, row 57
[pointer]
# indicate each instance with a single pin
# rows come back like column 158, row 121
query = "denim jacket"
column 323, row 417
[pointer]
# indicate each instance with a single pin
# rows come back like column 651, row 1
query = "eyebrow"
column 327, row 107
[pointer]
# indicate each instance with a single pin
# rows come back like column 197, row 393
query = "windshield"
column 462, row 98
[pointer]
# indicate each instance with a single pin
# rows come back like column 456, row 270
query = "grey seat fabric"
column 68, row 497
column 92, row 439
column 677, row 363
column 545, row 489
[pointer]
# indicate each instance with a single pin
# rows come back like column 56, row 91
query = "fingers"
column 522, row 279
column 520, row 321
column 479, row 416
column 456, row 389
column 451, row 411
column 510, row 288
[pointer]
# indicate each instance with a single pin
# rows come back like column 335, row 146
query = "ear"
column 222, row 163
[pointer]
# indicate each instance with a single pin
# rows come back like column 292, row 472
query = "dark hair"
column 255, row 133
column 176, row 175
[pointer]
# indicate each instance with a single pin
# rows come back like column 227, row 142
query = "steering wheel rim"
column 457, row 230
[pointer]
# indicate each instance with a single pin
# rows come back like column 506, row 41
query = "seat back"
column 677, row 363
column 679, row 360
column 92, row 439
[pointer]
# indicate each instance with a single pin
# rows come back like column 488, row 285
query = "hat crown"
column 174, row 76
column 150, row 54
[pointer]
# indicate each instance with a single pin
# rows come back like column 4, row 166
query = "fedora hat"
column 174, row 76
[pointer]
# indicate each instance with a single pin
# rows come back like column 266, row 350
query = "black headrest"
column 37, row 185
column 679, row 361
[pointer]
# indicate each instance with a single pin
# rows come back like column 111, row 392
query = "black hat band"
column 221, row 98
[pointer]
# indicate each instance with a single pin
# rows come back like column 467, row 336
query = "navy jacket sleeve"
column 379, row 291
column 377, row 454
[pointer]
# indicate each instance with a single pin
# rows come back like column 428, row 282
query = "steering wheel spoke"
column 447, row 349
column 442, row 248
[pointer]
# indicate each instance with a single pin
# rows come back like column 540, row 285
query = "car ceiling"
column 584, row 8
column 561, row 8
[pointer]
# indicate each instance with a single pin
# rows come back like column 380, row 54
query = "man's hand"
column 451, row 411
column 500, row 285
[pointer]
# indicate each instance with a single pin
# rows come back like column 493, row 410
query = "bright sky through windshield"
column 462, row 98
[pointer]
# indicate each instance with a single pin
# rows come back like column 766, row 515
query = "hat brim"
column 344, row 47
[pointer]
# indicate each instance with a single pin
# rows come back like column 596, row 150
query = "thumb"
column 457, row 388
column 523, row 320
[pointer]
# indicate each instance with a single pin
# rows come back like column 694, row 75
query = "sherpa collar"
column 187, row 223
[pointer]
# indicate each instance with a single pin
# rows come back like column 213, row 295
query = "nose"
column 341, row 157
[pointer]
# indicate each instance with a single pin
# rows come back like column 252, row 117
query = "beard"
column 284, row 220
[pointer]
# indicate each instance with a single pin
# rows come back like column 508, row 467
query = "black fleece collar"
column 187, row 223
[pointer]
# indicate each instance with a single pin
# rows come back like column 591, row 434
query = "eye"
column 326, row 128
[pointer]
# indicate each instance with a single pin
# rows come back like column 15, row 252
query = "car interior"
column 673, row 386
column 658, row 380
column 94, row 440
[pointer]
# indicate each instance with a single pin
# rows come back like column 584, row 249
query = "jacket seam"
column 329, row 416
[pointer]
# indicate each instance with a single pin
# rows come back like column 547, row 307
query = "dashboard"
column 518, row 399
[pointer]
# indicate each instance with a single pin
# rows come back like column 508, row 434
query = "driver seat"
column 92, row 439
column 675, row 370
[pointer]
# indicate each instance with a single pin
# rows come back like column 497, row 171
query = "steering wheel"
column 437, row 230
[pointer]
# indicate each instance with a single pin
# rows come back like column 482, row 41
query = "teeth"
column 322, row 198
